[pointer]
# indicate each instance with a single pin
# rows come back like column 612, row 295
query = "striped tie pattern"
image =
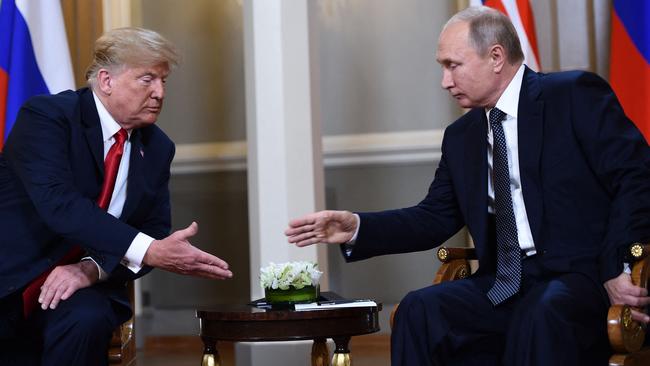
column 508, row 277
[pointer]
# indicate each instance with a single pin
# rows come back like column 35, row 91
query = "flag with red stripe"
column 630, row 60
column 34, row 55
column 521, row 14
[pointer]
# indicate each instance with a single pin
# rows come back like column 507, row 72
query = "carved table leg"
column 319, row 353
column 210, row 353
column 342, row 353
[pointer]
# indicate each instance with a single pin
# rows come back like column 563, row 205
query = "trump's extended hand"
column 64, row 281
column 176, row 254
column 331, row 227
column 621, row 290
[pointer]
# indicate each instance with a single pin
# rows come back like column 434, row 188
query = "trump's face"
column 467, row 76
column 135, row 94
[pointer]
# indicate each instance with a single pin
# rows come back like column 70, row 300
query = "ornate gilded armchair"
column 625, row 335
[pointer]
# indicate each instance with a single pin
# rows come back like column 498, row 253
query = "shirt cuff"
column 135, row 254
column 102, row 275
column 626, row 268
column 356, row 232
column 349, row 246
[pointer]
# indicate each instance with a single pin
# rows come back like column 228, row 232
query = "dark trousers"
column 77, row 332
column 556, row 319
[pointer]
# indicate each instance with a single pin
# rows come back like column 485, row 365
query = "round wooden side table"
column 244, row 323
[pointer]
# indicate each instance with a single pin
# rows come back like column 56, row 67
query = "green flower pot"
column 291, row 295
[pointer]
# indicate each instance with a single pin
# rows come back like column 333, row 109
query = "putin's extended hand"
column 331, row 227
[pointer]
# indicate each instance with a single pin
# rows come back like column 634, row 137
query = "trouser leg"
column 17, row 347
column 449, row 324
column 79, row 330
column 559, row 321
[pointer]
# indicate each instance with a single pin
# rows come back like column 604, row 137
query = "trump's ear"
column 497, row 56
column 104, row 81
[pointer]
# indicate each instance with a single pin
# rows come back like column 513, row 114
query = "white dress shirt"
column 136, row 251
column 509, row 104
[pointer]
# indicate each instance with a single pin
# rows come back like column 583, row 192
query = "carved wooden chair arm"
column 447, row 254
column 626, row 335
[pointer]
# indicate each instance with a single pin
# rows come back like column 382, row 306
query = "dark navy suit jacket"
column 51, row 171
column 585, row 175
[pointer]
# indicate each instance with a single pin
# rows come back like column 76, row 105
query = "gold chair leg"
column 210, row 353
column 319, row 353
column 342, row 353
column 341, row 359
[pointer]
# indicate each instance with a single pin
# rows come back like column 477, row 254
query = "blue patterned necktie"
column 508, row 277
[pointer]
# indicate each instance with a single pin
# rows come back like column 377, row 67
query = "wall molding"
column 404, row 147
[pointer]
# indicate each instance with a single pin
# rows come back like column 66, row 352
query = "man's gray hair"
column 133, row 47
column 488, row 27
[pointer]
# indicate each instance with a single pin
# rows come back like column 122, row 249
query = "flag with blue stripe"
column 34, row 55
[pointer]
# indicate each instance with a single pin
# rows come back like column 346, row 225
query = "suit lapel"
column 92, row 129
column 475, row 146
column 135, row 186
column 530, row 129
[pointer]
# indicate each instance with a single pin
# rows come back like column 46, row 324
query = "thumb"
column 189, row 231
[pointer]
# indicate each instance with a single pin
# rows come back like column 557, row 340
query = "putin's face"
column 467, row 76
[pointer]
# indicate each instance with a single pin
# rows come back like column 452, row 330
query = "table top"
column 248, row 323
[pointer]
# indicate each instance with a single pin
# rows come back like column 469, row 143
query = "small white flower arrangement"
column 283, row 276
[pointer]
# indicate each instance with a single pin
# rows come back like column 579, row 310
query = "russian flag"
column 521, row 14
column 34, row 55
column 629, row 71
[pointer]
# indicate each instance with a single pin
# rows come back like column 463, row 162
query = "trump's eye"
column 147, row 78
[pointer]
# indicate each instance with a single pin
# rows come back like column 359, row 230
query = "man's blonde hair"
column 131, row 47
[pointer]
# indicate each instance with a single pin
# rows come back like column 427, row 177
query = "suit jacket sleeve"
column 37, row 152
column 620, row 159
column 424, row 226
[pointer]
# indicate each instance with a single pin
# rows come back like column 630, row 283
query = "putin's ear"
column 104, row 81
column 498, row 57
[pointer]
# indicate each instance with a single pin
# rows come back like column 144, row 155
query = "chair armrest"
column 639, row 251
column 446, row 254
column 641, row 257
column 455, row 264
column 625, row 334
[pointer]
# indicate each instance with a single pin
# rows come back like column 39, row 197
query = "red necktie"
column 111, row 165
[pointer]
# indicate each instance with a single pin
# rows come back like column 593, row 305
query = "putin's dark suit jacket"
column 585, row 175
column 51, row 172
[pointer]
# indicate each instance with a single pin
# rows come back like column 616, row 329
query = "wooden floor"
column 369, row 350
